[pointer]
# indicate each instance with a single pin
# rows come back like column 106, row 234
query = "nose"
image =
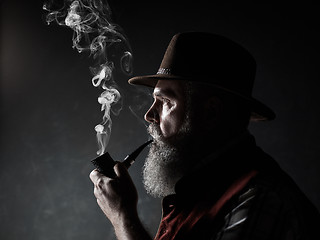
column 152, row 115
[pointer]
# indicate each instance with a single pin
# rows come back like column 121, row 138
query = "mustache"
column 155, row 132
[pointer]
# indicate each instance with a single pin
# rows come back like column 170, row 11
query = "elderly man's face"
column 171, row 127
column 168, row 108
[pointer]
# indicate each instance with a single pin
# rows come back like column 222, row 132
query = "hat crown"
column 212, row 59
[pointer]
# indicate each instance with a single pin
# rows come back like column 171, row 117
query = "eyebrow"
column 164, row 92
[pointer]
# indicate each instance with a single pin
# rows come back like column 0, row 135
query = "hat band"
column 164, row 71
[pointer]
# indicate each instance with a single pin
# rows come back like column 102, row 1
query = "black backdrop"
column 49, row 107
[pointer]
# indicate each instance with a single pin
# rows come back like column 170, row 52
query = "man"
column 215, row 182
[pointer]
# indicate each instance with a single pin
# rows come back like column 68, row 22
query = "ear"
column 213, row 111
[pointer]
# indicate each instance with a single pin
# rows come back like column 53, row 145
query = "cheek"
column 171, row 120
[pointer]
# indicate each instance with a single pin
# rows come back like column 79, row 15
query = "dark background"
column 49, row 107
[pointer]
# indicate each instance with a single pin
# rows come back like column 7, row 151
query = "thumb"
column 124, row 177
column 121, row 171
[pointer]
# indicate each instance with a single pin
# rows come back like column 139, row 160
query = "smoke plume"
column 94, row 32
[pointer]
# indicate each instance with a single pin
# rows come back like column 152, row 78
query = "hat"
column 210, row 59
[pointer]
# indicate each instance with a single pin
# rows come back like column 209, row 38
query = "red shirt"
column 195, row 217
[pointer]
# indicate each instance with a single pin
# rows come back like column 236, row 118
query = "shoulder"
column 270, row 207
column 280, row 209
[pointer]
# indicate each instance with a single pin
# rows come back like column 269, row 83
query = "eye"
column 165, row 100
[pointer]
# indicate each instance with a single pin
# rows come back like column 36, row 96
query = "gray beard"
column 168, row 160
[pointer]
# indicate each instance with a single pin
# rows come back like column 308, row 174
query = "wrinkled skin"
column 108, row 191
column 168, row 108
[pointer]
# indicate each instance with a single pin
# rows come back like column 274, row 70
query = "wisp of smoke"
column 93, row 31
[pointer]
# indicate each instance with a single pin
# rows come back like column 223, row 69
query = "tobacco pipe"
column 105, row 163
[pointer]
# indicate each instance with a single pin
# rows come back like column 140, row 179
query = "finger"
column 121, row 171
column 99, row 190
column 95, row 175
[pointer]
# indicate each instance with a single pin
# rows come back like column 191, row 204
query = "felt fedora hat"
column 210, row 59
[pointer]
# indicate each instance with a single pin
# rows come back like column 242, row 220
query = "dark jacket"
column 243, row 194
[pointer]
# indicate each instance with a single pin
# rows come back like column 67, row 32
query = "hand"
column 117, row 197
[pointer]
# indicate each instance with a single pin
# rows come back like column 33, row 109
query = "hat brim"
column 259, row 111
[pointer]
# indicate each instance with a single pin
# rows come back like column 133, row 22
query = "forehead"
column 172, row 88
